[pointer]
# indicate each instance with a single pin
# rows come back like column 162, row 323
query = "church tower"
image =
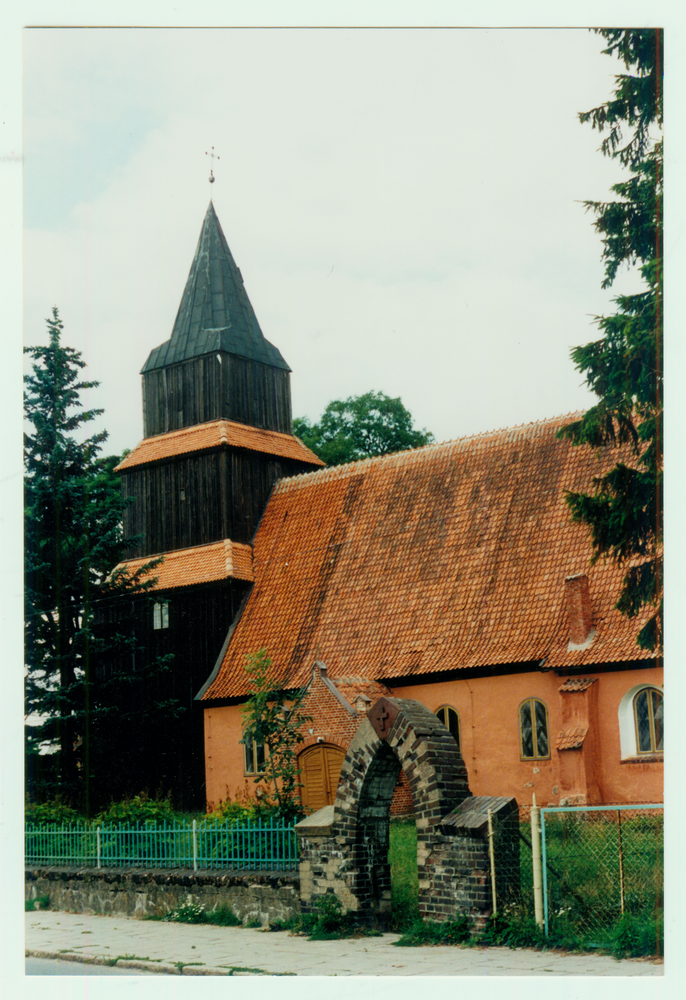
column 218, row 435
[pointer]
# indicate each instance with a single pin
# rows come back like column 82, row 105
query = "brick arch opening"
column 396, row 733
column 344, row 846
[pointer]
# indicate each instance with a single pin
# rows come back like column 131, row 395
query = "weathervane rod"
column 212, row 157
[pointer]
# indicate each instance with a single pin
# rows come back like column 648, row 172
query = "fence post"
column 98, row 847
column 621, row 861
column 195, row 846
column 491, row 855
column 536, row 861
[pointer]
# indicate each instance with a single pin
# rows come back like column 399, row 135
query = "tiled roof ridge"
column 223, row 428
column 502, row 434
column 189, row 566
column 221, row 423
column 170, row 553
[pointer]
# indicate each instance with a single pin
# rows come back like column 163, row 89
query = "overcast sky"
column 404, row 205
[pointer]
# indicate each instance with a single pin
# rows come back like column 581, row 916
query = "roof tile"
column 215, row 434
column 200, row 564
column 571, row 739
column 578, row 683
column 446, row 557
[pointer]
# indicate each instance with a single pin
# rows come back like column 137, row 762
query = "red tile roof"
column 353, row 687
column 571, row 739
column 578, row 683
column 201, row 564
column 450, row 556
column 214, row 435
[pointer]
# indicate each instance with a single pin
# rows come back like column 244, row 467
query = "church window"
column 648, row 717
column 641, row 723
column 533, row 730
column 160, row 615
column 451, row 721
column 254, row 756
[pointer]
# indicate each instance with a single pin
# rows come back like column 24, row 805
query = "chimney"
column 579, row 610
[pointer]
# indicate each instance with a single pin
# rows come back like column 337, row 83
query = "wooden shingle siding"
column 204, row 389
column 200, row 498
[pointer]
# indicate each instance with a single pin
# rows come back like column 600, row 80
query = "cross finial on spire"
column 212, row 156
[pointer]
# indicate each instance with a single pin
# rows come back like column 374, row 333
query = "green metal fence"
column 600, row 863
column 260, row 844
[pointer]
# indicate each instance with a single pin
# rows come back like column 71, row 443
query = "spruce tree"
column 77, row 671
column 624, row 367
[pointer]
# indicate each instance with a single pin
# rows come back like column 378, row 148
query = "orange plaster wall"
column 628, row 782
column 489, row 732
column 489, row 725
column 224, row 759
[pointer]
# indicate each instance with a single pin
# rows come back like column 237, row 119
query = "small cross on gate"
column 212, row 157
column 383, row 715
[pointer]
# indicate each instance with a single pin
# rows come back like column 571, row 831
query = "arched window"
column 641, row 726
column 451, row 721
column 533, row 730
column 648, row 718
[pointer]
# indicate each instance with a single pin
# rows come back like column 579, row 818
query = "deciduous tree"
column 273, row 720
column 360, row 427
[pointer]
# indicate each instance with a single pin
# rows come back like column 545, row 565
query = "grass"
column 584, row 899
column 404, row 882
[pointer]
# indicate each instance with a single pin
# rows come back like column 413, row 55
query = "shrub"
column 57, row 812
column 39, row 903
column 138, row 811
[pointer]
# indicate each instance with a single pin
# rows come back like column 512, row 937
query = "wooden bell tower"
column 218, row 435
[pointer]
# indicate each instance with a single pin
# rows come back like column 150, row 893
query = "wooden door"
column 320, row 768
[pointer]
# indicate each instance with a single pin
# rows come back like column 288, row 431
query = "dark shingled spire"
column 215, row 312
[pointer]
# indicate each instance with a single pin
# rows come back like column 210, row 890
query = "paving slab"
column 201, row 949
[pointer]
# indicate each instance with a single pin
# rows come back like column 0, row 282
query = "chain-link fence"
column 600, row 863
column 595, row 865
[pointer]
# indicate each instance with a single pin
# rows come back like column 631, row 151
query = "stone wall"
column 133, row 892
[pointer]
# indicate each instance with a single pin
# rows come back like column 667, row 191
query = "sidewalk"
column 197, row 949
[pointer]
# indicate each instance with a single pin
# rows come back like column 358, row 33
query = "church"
column 451, row 574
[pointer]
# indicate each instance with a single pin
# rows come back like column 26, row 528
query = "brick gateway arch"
column 344, row 846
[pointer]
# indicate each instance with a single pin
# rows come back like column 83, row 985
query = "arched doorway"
column 320, row 768
column 344, row 846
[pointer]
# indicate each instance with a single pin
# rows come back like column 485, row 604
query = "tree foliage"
column 77, row 676
column 272, row 719
column 624, row 367
column 360, row 427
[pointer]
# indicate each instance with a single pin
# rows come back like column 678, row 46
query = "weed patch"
column 187, row 913
column 223, row 916
column 195, row 913
column 429, row 932
column 39, row 903
column 329, row 923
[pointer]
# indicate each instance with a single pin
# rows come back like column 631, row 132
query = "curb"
column 126, row 963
